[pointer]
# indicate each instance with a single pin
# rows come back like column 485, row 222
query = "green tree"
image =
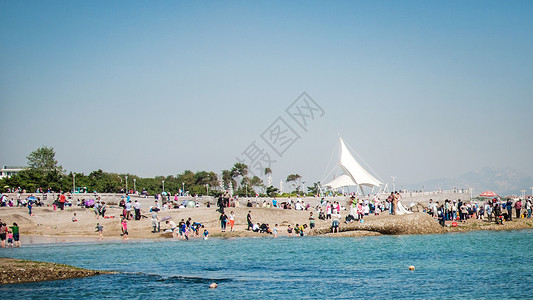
column 43, row 159
column 295, row 180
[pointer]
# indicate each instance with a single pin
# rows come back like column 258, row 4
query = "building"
column 8, row 171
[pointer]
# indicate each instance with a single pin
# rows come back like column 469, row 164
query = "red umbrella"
column 489, row 194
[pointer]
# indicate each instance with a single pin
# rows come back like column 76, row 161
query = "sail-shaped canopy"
column 343, row 180
column 357, row 173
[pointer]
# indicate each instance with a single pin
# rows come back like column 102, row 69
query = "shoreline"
column 46, row 226
column 355, row 230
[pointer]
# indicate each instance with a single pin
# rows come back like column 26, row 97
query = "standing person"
column 223, row 221
column 62, row 200
column 100, row 230
column 528, row 208
column 509, row 206
column 137, row 208
column 3, row 234
column 441, row 215
column 155, row 222
column 275, row 230
column 97, row 209
column 124, row 224
column 518, row 207
column 249, row 220
column 311, row 221
column 103, row 209
column 231, row 220
column 30, row 205
column 16, row 234
column 393, row 202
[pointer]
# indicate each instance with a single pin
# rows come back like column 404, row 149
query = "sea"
column 472, row 265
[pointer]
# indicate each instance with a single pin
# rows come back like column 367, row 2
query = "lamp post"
column 393, row 183
column 523, row 194
column 303, row 188
column 73, row 182
column 163, row 182
column 126, row 184
column 134, row 189
column 207, row 189
column 183, row 188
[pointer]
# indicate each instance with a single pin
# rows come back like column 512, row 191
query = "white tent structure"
column 355, row 174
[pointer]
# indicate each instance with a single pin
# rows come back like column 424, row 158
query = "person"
column 249, row 220
column 440, row 215
column 528, row 208
column 172, row 227
column 3, row 234
column 137, row 208
column 335, row 224
column 16, row 234
column 74, row 218
column 509, row 206
column 497, row 214
column 62, row 200
column 311, row 221
column 102, row 209
column 231, row 220
column 223, row 221
column 206, row 234
column 100, row 230
column 275, row 230
column 124, row 224
column 518, row 207
column 155, row 222
column 9, row 239
column 289, row 230
column 255, row 227
column 30, row 205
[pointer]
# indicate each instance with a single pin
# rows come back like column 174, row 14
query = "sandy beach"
column 49, row 226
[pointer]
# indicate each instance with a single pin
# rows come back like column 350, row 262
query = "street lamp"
column 393, row 183
column 134, row 189
column 73, row 182
column 126, row 184
column 207, row 188
column 183, row 188
column 163, row 185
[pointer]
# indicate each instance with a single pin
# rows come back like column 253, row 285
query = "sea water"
column 473, row 265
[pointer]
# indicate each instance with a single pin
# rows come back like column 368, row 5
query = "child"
column 124, row 224
column 206, row 234
column 74, row 218
column 10, row 239
column 275, row 230
column 100, row 229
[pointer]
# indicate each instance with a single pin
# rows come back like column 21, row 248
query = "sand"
column 48, row 226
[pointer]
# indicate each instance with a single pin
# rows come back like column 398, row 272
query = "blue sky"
column 419, row 89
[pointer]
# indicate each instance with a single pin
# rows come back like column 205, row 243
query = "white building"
column 8, row 171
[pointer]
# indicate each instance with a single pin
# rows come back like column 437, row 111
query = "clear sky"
column 419, row 89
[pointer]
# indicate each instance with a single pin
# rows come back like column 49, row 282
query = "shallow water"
column 470, row 265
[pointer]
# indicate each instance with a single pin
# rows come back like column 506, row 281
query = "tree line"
column 45, row 173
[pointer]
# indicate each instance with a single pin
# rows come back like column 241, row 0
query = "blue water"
column 474, row 265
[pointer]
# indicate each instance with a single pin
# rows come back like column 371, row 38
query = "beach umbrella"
column 489, row 194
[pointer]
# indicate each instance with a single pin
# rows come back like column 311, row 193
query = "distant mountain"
column 504, row 182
